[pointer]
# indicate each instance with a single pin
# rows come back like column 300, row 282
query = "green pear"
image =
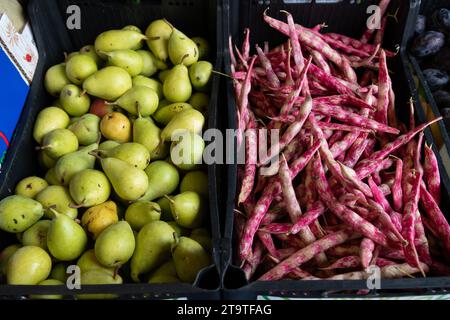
column 18, row 213
column 56, row 79
column 115, row 245
column 163, row 179
column 203, row 47
column 66, row 239
column 74, row 101
column 164, row 114
column 58, row 198
column 158, row 34
column 5, row 255
column 51, row 178
column 108, row 83
column 139, row 100
column 98, row 277
column 89, row 50
column 166, row 273
column 89, row 188
column 131, row 152
column 70, row 55
column 48, row 282
column 177, row 86
column 28, row 266
column 140, row 213
column 166, row 213
column 30, row 186
column 162, row 76
column 59, row 142
column 149, row 83
column 59, row 272
column 128, row 182
column 129, row 60
column 202, row 236
column 196, row 181
column 149, row 67
column 145, row 132
column 190, row 120
column 108, row 145
column 179, row 231
column 80, row 67
column 87, row 129
column 187, row 152
column 200, row 74
column 36, row 235
column 189, row 258
column 70, row 164
column 88, row 261
column 114, row 40
column 45, row 161
column 49, row 119
column 200, row 101
column 132, row 28
column 153, row 246
column 188, row 209
column 182, row 49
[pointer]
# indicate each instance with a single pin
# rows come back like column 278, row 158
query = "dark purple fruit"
column 442, row 60
column 435, row 78
column 441, row 19
column 428, row 43
column 420, row 24
column 442, row 99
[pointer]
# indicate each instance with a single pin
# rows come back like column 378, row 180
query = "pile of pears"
column 113, row 201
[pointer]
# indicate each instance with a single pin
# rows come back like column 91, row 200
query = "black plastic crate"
column 53, row 38
column 427, row 107
column 249, row 13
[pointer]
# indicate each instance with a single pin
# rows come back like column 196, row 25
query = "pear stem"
column 52, row 210
column 169, row 198
column 116, row 272
column 43, row 147
column 166, row 21
column 154, row 38
column 184, row 57
column 96, row 154
column 222, row 74
column 76, row 206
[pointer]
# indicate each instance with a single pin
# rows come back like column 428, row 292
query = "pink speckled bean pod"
column 436, row 217
column 246, row 44
column 344, row 250
column 251, row 151
column 409, row 219
column 311, row 40
column 274, row 82
column 366, row 254
column 344, row 263
column 397, row 192
column 267, row 241
column 348, row 216
column 382, row 262
column 356, row 43
column 431, row 173
column 320, row 61
column 421, row 241
column 305, row 254
column 388, row 272
column 383, row 90
column 299, row 84
column 367, row 166
column 290, row 199
column 352, row 118
column 290, row 132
